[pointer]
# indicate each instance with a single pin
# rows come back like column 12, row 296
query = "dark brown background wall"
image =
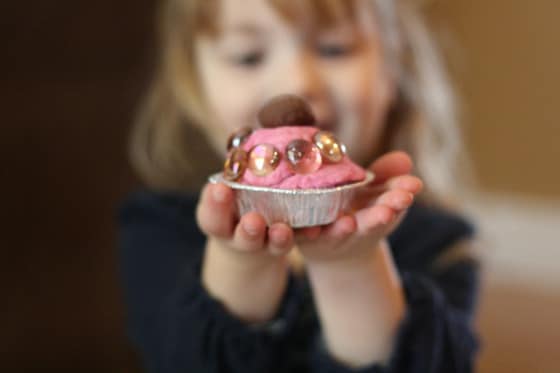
column 71, row 74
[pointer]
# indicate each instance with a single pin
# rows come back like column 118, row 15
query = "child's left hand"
column 379, row 210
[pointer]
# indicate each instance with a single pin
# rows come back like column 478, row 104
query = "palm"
column 377, row 210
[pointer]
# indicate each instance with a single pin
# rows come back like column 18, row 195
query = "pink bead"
column 303, row 156
column 263, row 159
column 235, row 165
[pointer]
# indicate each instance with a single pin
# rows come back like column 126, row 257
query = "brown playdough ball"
column 286, row 110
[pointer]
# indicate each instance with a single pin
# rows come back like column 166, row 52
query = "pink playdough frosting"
column 329, row 175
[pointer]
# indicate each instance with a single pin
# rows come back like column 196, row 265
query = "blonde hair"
column 422, row 121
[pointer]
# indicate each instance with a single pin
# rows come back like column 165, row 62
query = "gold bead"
column 235, row 165
column 263, row 159
column 331, row 149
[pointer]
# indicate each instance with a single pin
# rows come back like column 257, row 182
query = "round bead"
column 263, row 159
column 238, row 138
column 286, row 110
column 235, row 165
column 332, row 149
column 303, row 156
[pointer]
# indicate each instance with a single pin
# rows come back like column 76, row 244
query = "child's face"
column 258, row 55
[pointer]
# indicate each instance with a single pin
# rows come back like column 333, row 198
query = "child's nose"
column 300, row 76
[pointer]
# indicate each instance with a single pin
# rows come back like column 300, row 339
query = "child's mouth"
column 326, row 125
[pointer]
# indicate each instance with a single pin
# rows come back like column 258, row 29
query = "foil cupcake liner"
column 296, row 207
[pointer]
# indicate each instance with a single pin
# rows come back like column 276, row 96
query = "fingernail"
column 251, row 230
column 406, row 201
column 384, row 216
column 219, row 195
column 386, row 219
column 281, row 242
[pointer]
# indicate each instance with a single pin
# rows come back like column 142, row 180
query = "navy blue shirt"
column 178, row 327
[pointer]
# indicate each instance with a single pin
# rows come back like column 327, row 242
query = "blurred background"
column 71, row 75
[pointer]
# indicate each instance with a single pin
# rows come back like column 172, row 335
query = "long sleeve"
column 172, row 320
column 178, row 327
column 436, row 335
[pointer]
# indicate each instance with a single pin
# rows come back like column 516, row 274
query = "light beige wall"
column 505, row 57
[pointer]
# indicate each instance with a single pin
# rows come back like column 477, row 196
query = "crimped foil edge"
column 296, row 207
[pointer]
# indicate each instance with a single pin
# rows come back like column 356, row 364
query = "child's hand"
column 244, row 266
column 216, row 218
column 379, row 209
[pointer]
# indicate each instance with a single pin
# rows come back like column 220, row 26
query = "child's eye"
column 335, row 50
column 249, row 59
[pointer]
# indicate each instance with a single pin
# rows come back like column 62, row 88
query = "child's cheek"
column 358, row 88
column 228, row 91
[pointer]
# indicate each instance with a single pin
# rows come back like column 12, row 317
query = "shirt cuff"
column 199, row 333
column 195, row 299
column 324, row 362
column 423, row 301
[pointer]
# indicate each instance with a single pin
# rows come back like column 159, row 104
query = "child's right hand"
column 216, row 217
column 244, row 265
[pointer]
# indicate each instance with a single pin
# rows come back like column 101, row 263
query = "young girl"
column 387, row 288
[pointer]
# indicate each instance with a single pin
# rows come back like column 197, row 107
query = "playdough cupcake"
column 289, row 170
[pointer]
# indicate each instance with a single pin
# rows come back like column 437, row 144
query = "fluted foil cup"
column 296, row 207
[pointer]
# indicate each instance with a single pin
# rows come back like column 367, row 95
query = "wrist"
column 374, row 273
column 243, row 261
column 250, row 285
column 361, row 304
column 360, row 262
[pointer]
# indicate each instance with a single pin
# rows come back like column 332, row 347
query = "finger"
column 374, row 218
column 250, row 232
column 215, row 211
column 341, row 228
column 280, row 239
column 397, row 199
column 390, row 165
column 365, row 194
column 308, row 233
column 409, row 183
column 395, row 222
column 399, row 218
